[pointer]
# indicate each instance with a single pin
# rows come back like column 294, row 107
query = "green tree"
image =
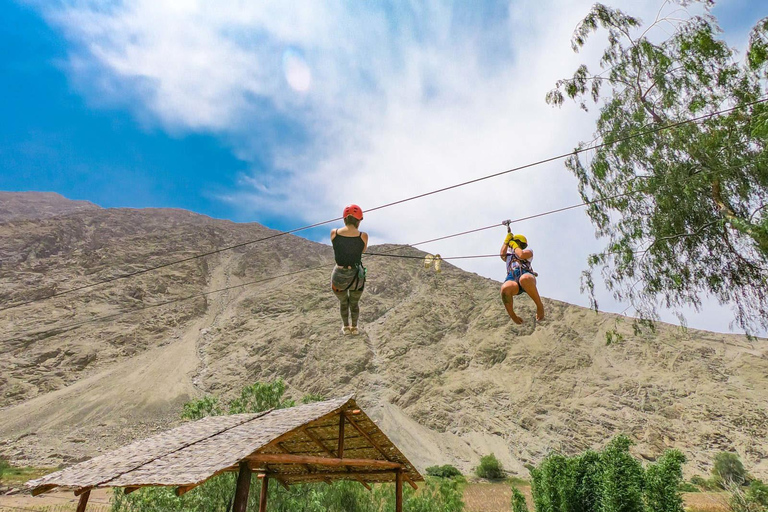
column 490, row 467
column 727, row 469
column 684, row 210
column 518, row 501
column 623, row 478
column 662, row 483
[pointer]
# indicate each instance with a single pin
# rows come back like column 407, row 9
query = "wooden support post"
column 341, row 435
column 263, row 498
column 243, row 486
column 83, row 501
column 399, row 490
column 378, row 448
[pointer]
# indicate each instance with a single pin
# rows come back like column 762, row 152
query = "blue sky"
column 250, row 112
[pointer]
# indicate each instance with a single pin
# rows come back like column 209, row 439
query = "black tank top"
column 348, row 250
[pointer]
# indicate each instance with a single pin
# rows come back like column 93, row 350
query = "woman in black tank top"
column 348, row 277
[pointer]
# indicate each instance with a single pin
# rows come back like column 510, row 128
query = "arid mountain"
column 438, row 365
column 38, row 205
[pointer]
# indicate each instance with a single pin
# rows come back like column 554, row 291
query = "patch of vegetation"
column 15, row 476
column 4, row 466
column 754, row 499
column 444, row 471
column 688, row 487
column 518, row 501
column 490, row 468
column 608, row 481
column 705, row 484
column 727, row 470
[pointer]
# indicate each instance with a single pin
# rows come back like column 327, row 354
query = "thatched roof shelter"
column 323, row 441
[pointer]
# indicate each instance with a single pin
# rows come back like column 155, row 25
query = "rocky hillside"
column 439, row 365
column 38, row 205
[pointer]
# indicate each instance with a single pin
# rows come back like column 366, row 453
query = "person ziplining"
column 520, row 275
column 348, row 277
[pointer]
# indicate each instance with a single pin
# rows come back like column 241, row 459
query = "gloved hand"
column 508, row 238
column 514, row 245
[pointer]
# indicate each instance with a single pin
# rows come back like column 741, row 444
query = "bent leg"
column 508, row 291
column 354, row 305
column 528, row 282
column 343, row 305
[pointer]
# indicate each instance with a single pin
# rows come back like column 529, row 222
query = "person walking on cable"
column 348, row 277
column 520, row 275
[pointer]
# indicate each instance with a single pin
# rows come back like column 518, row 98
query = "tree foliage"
column 4, row 466
column 444, row 471
column 685, row 209
column 728, row 470
column 490, row 467
column 608, row 481
column 518, row 501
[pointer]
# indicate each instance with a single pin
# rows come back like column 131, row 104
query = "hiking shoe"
column 353, row 330
column 346, row 330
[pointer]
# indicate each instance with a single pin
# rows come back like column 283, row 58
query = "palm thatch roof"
column 299, row 444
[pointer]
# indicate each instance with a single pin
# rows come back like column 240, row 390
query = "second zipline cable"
column 387, row 205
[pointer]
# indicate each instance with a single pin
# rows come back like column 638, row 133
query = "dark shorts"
column 343, row 279
column 515, row 276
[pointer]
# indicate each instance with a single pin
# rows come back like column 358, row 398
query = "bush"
column 4, row 466
column 622, row 480
column 687, row 487
column 662, row 483
column 728, row 470
column 518, row 501
column 444, row 471
column 755, row 499
column 705, row 484
column 607, row 481
column 490, row 468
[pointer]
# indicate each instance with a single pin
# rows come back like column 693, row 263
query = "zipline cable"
column 60, row 330
column 387, row 205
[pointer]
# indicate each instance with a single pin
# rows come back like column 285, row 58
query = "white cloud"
column 395, row 102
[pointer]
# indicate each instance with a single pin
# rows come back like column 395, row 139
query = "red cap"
column 354, row 211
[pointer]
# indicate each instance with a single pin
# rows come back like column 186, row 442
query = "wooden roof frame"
column 317, row 442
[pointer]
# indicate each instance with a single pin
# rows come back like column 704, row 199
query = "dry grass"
column 706, row 501
column 482, row 497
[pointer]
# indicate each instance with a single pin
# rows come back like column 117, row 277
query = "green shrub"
column 662, row 483
column 758, row 493
column 444, row 471
column 607, row 481
column 4, row 466
column 687, row 487
column 622, row 480
column 490, row 468
column 518, row 501
column 705, row 484
column 755, row 499
column 728, row 470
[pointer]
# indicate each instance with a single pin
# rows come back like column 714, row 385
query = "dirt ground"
column 62, row 501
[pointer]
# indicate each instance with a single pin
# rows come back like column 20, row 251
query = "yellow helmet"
column 521, row 241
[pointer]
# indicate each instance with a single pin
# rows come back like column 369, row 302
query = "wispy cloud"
column 337, row 102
